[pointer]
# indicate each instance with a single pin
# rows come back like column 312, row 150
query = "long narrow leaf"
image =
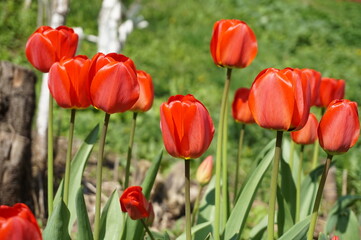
column 57, row 227
column 206, row 209
column 298, row 231
column 285, row 219
column 200, row 231
column 84, row 228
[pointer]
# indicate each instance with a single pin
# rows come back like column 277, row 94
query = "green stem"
column 315, row 155
column 292, row 150
column 196, row 205
column 219, row 156
column 99, row 177
column 187, row 199
column 272, row 201
column 50, row 157
column 298, row 187
column 239, row 155
column 316, row 206
column 225, row 192
column 130, row 149
column 147, row 229
column 68, row 157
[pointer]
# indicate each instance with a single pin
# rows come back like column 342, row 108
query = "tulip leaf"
column 200, row 231
column 285, row 219
column 158, row 236
column 258, row 231
column 342, row 220
column 206, row 209
column 134, row 229
column 57, row 226
column 238, row 217
column 84, row 228
column 111, row 220
column 322, row 236
column 298, row 231
column 76, row 172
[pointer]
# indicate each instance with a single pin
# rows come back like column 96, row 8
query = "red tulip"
column 335, row 238
column 233, row 44
column 186, row 125
column 18, row 222
column 308, row 134
column 47, row 46
column 314, row 79
column 240, row 109
column 134, row 203
column 330, row 89
column 69, row 82
column 280, row 99
column 146, row 94
column 339, row 127
column 114, row 86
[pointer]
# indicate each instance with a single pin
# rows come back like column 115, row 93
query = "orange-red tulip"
column 114, row 86
column 240, row 109
column 330, row 89
column 314, row 80
column 18, row 222
column 146, row 94
column 280, row 99
column 69, row 82
column 233, row 44
column 47, row 46
column 186, row 125
column 339, row 127
column 134, row 203
column 308, row 134
column 204, row 171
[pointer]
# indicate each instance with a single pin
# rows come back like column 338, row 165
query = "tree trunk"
column 17, row 104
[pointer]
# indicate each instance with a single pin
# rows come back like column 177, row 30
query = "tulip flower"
column 134, row 203
column 280, row 99
column 68, row 82
column 308, row 134
column 113, row 83
column 18, row 222
column 146, row 93
column 187, row 127
column 330, row 89
column 314, row 79
column 204, row 171
column 240, row 109
column 339, row 127
column 47, row 46
column 233, row 44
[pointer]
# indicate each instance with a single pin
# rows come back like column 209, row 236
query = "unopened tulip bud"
column 149, row 221
column 204, row 171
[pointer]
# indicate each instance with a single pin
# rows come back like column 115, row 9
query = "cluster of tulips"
column 279, row 99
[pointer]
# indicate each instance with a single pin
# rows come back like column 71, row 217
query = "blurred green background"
column 321, row 34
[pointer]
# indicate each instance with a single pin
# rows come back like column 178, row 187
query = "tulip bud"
column 47, row 46
column 204, row 171
column 233, row 44
column 339, row 127
column 146, row 93
column 335, row 238
column 151, row 217
column 186, row 126
column 134, row 203
column 240, row 109
column 18, row 222
column 307, row 134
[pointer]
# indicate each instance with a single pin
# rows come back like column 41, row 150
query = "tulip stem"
column 315, row 154
column 196, row 205
column 225, row 192
column 99, row 177
column 316, row 206
column 239, row 156
column 130, row 149
column 68, row 157
column 298, row 187
column 219, row 155
column 272, row 201
column 147, row 229
column 292, row 150
column 187, row 199
column 50, row 157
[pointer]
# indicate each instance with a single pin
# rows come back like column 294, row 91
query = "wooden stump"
column 17, row 104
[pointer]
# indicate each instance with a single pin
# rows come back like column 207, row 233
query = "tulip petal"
column 60, row 85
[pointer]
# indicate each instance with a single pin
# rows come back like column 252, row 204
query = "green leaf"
column 207, row 206
column 322, row 236
column 348, row 227
column 288, row 187
column 258, row 231
column 200, row 231
column 76, row 172
column 111, row 220
column 158, row 236
column 84, row 228
column 57, row 227
column 238, row 217
column 298, row 231
column 134, row 229
column 284, row 217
